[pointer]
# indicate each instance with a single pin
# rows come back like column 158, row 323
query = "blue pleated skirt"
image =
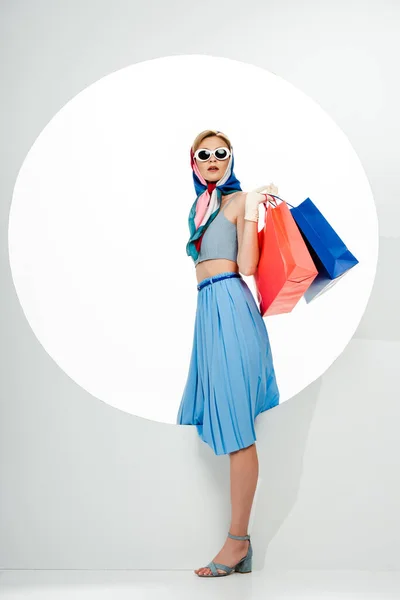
column 231, row 375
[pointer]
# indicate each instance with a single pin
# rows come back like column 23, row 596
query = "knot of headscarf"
column 208, row 202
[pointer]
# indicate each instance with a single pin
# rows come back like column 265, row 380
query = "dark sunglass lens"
column 221, row 154
column 203, row 155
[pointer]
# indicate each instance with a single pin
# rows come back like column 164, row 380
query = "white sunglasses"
column 204, row 154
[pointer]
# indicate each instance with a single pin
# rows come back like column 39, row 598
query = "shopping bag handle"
column 274, row 196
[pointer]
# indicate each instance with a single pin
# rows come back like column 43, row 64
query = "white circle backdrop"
column 99, row 224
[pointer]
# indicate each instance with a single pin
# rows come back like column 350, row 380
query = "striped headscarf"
column 208, row 202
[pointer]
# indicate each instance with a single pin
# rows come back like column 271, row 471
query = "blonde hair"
column 208, row 133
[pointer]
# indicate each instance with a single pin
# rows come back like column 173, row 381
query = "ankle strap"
column 238, row 537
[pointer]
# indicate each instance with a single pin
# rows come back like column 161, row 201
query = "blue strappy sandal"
column 243, row 566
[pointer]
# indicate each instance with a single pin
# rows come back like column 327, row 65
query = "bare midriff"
column 214, row 266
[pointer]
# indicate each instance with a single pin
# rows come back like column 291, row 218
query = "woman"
column 231, row 375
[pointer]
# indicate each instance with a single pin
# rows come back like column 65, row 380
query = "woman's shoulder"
column 233, row 198
column 236, row 206
column 236, row 196
column 239, row 197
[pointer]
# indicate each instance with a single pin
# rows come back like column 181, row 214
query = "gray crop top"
column 219, row 239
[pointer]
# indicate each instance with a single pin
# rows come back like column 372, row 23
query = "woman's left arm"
column 247, row 232
column 247, row 227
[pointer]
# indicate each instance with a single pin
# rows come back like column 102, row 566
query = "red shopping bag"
column 285, row 269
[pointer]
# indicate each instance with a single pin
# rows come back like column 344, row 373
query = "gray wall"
column 86, row 486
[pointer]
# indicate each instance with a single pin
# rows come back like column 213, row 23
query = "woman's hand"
column 268, row 189
column 255, row 197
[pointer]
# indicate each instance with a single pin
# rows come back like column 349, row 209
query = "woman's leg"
column 244, row 476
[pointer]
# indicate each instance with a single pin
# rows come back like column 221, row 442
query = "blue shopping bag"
column 329, row 252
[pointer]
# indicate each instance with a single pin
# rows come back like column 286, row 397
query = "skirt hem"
column 247, row 444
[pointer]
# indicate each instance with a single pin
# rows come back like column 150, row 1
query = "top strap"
column 230, row 200
column 238, row 537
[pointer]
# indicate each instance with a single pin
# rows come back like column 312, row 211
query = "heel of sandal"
column 245, row 566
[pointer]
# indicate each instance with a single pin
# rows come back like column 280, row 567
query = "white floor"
column 177, row 585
